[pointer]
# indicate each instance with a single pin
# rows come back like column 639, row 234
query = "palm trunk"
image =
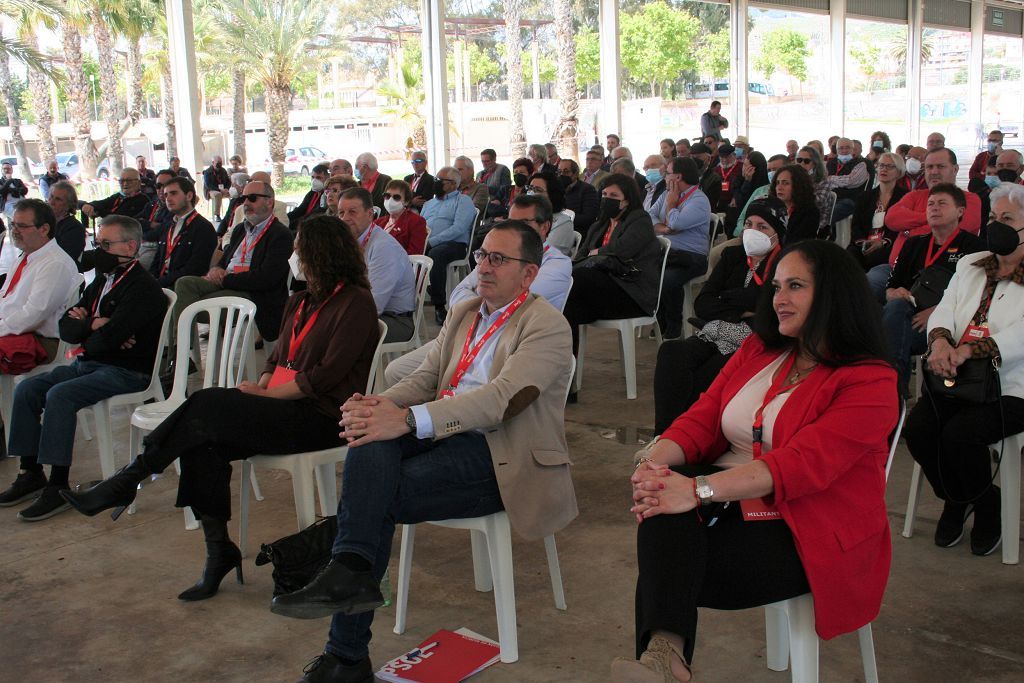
column 278, row 98
column 42, row 105
column 568, row 99
column 78, row 99
column 108, row 85
column 238, row 111
column 167, row 110
column 514, row 75
column 135, row 79
column 13, row 116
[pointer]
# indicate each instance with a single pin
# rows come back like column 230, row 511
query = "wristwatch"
column 703, row 490
column 410, row 421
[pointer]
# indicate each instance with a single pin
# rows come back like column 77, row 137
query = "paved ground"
column 87, row 599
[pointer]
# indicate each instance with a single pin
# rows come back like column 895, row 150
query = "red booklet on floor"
column 445, row 657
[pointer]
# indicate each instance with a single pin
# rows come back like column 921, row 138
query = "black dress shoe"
column 26, row 485
column 950, row 528
column 329, row 669
column 117, row 492
column 335, row 590
column 439, row 315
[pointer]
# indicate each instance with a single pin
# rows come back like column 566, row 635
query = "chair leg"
column 133, row 451
column 776, row 631
column 916, row 481
column 256, row 492
column 482, row 570
column 499, row 550
column 6, row 401
column 867, row 653
column 555, row 570
column 629, row 360
column 803, row 641
column 243, row 507
column 101, row 413
column 404, row 569
column 302, row 489
column 1009, row 473
column 84, row 424
column 327, row 488
column 577, row 381
column 191, row 523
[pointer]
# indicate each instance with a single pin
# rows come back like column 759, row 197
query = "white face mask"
column 913, row 166
column 393, row 205
column 317, row 185
column 756, row 243
column 296, row 266
column 233, row 192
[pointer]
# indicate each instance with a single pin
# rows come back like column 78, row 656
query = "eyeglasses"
column 886, row 167
column 105, row 244
column 126, row 181
column 23, row 226
column 419, row 161
column 538, row 190
column 252, row 197
column 494, row 258
column 394, row 196
column 804, row 160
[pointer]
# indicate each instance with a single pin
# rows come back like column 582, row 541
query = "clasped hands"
column 215, row 275
column 944, row 359
column 658, row 490
column 365, row 419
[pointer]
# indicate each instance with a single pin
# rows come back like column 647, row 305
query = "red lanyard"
column 171, row 245
column 839, row 167
column 16, row 276
column 774, row 392
column 246, row 248
column 100, row 295
column 152, row 213
column 298, row 336
column 117, row 203
column 487, row 176
column 313, row 203
column 366, row 238
column 608, row 233
column 686, row 195
column 469, row 354
column 771, row 257
column 930, row 258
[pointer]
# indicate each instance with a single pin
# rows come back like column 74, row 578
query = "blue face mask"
column 878, row 144
column 845, row 158
column 739, row 152
column 992, row 147
column 771, row 176
column 992, row 181
column 653, row 176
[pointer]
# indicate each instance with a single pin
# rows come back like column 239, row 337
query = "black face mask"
column 610, row 207
column 566, row 181
column 1007, row 176
column 439, row 192
column 1002, row 239
column 103, row 261
column 520, row 179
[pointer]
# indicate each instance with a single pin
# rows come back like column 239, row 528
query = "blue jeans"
column 62, row 392
column 878, row 278
column 404, row 481
column 442, row 254
column 904, row 340
column 687, row 265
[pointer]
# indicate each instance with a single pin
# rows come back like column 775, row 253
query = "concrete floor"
column 88, row 599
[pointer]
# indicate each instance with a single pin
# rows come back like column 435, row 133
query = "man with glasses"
column 449, row 215
column 421, row 182
column 11, row 189
column 848, row 177
column 147, row 177
column 254, row 265
column 114, row 330
column 340, row 167
column 69, row 231
column 157, row 221
column 477, row 192
column 187, row 245
column 593, row 174
column 449, row 442
column 580, row 197
column 130, row 201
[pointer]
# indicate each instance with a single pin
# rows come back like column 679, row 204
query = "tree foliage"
column 786, row 50
column 657, row 44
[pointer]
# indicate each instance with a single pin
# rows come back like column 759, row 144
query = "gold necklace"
column 797, row 375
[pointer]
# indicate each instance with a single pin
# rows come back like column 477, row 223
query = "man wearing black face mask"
column 114, row 330
column 580, row 197
column 450, row 217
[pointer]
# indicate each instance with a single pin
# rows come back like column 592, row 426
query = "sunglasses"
column 252, row 197
column 419, row 161
column 394, row 196
column 804, row 160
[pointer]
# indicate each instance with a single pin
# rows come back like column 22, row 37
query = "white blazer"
column 1005, row 317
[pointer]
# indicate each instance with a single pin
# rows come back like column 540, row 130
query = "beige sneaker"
column 654, row 666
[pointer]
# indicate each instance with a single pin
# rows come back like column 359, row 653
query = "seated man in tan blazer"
column 477, row 428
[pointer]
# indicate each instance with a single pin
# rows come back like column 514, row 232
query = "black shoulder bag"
column 299, row 557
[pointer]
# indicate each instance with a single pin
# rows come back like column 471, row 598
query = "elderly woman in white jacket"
column 981, row 315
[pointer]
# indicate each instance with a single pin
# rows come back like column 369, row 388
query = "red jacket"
column 979, row 166
column 830, row 444
column 907, row 217
column 410, row 230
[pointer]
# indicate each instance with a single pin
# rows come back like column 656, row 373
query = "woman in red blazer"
column 773, row 483
column 404, row 224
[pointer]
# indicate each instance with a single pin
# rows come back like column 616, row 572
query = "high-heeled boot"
column 116, row 492
column 221, row 557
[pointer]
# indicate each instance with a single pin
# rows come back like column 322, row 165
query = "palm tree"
column 72, row 24
column 407, row 99
column 238, row 110
column 898, row 50
column 133, row 20
column 39, row 83
column 565, row 81
column 514, row 74
column 275, row 41
column 99, row 16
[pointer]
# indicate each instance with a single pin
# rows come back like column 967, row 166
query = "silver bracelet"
column 640, row 461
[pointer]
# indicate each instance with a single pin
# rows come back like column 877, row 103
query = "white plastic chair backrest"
column 561, row 309
column 896, row 437
column 665, row 246
column 472, row 232
column 231, row 335
column 421, row 266
column 74, row 294
column 426, row 242
column 831, row 206
column 376, row 212
column 383, row 327
column 576, row 239
column 572, row 373
column 155, row 388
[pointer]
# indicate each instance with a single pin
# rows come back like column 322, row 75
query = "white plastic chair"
column 1009, row 483
column 7, row 382
column 690, row 291
column 576, row 239
column 236, row 315
column 421, row 266
column 717, row 224
column 302, row 466
column 426, row 241
column 102, row 410
column 627, row 328
column 491, row 542
column 843, row 230
column 789, row 624
column 459, row 268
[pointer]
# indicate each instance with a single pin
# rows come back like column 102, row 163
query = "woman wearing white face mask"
column 405, row 225
column 725, row 305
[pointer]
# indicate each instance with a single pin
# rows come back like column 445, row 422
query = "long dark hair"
column 760, row 165
column 329, row 255
column 555, row 192
column 844, row 324
column 630, row 191
column 803, row 190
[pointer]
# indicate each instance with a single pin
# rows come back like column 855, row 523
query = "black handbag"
column 976, row 382
column 624, row 269
column 299, row 557
column 929, row 286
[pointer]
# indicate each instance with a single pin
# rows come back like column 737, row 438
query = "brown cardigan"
column 335, row 358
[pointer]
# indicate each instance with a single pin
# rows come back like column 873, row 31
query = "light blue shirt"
column 449, row 218
column 477, row 374
column 252, row 235
column 553, row 280
column 392, row 282
column 688, row 223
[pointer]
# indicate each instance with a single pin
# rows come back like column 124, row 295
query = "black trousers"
column 731, row 565
column 685, row 369
column 596, row 296
column 950, row 440
column 216, row 426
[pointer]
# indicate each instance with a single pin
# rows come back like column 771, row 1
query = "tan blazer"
column 521, row 411
column 598, row 178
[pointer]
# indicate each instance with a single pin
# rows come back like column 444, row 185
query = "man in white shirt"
column 392, row 281
column 552, row 282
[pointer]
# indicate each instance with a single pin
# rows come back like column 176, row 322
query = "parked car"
column 299, row 162
column 35, row 167
column 67, row 163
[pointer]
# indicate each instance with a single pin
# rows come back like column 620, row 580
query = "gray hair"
column 1020, row 157
column 449, row 173
column 66, row 186
column 466, row 160
column 623, row 165
column 541, row 152
column 1011, row 192
column 130, row 228
column 621, row 152
column 368, row 159
column 896, row 160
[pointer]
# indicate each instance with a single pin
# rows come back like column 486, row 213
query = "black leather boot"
column 221, row 557
column 117, row 492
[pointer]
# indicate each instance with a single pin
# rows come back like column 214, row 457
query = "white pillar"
column 739, row 95
column 975, row 64
column 535, row 53
column 611, row 68
column 181, row 38
column 915, row 26
column 435, row 74
column 837, row 68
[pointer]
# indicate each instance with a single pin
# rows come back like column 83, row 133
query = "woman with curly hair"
column 328, row 336
column 793, row 186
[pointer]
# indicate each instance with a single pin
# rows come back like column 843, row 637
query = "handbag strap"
column 981, row 315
